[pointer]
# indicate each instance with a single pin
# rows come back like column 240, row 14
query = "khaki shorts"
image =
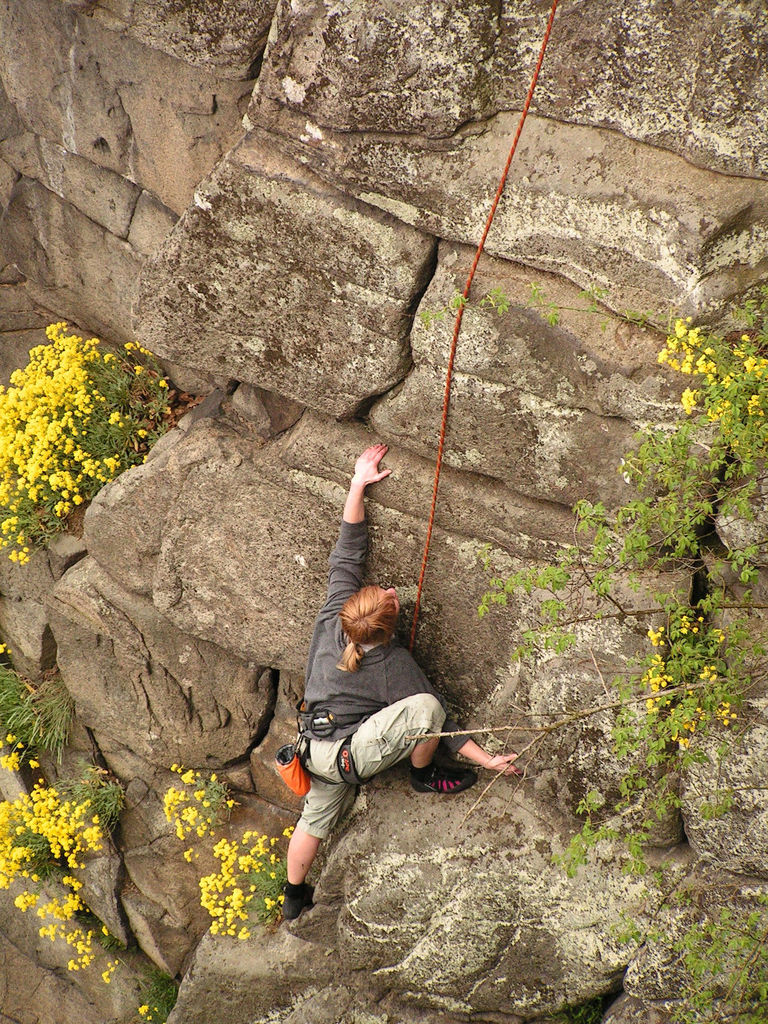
column 379, row 743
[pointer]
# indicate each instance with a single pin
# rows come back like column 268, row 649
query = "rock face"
column 119, row 104
column 250, row 310
column 102, row 147
column 558, row 212
column 415, row 69
column 282, row 199
column 149, row 683
column 735, row 841
column 659, row 972
column 36, row 984
column 407, row 925
column 519, row 383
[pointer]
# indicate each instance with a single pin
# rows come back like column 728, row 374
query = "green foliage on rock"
column 726, row 957
column 680, row 563
column 158, row 997
column 703, row 648
column 102, row 791
column 38, row 716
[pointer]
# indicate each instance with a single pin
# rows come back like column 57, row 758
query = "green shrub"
column 35, row 716
column 97, row 787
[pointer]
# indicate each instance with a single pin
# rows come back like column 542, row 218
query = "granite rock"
column 636, row 66
column 102, row 195
column 72, row 265
column 587, row 203
column 226, row 37
column 657, row 975
column 224, row 290
column 150, row 223
column 35, row 984
column 735, row 841
column 131, row 673
column 23, row 619
column 125, row 106
column 549, row 409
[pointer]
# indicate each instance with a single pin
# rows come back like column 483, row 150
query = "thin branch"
column 519, row 780
column 570, row 717
column 600, row 674
column 759, row 946
column 588, row 577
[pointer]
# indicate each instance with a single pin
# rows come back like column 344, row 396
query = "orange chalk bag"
column 290, row 769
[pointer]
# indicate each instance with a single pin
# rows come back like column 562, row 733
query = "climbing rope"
column 460, row 315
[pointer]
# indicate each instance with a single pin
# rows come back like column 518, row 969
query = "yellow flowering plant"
column 99, row 789
column 199, row 806
column 43, row 836
column 72, row 419
column 250, row 879
column 252, row 870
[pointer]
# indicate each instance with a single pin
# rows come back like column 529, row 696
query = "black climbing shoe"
column 293, row 905
column 443, row 780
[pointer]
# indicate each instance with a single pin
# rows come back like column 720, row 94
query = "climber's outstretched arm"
column 366, row 472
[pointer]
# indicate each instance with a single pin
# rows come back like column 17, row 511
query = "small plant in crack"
column 158, row 995
column 35, row 716
column 104, row 793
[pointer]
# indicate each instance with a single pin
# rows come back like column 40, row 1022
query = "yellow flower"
column 689, row 399
column 656, row 638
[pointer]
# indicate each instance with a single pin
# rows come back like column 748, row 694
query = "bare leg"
column 302, row 851
column 423, row 753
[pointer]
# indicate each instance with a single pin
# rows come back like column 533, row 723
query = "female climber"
column 365, row 697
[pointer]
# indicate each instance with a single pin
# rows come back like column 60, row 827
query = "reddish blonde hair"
column 368, row 617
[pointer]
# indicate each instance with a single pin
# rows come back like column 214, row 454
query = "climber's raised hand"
column 366, row 472
column 367, row 466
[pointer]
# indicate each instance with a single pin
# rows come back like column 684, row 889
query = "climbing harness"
column 460, row 315
column 320, row 723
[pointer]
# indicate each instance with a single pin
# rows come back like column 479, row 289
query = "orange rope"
column 460, row 315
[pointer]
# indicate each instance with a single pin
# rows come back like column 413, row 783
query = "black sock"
column 294, row 890
column 422, row 773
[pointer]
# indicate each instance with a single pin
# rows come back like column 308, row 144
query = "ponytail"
column 367, row 617
column 351, row 658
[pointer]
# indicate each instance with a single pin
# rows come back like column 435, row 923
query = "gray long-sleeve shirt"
column 387, row 673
